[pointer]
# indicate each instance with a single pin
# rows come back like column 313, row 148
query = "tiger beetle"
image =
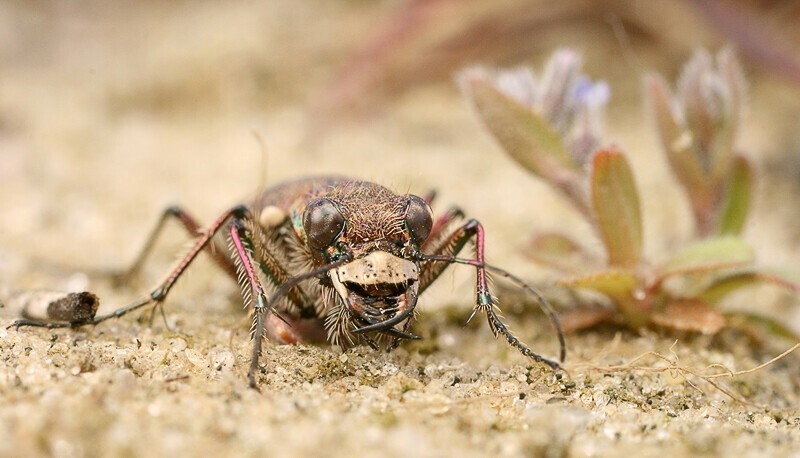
column 330, row 259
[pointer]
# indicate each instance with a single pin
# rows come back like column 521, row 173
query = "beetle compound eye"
column 419, row 219
column 323, row 223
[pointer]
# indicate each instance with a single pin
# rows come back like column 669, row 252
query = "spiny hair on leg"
column 337, row 320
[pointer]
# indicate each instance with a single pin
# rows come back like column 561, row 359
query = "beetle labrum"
column 368, row 253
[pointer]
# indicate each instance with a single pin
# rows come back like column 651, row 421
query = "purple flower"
column 569, row 102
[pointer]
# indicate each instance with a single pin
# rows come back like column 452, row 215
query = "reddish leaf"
column 616, row 206
column 721, row 149
column 689, row 315
column 559, row 252
column 675, row 138
column 584, row 318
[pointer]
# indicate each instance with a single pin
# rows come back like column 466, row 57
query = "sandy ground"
column 106, row 118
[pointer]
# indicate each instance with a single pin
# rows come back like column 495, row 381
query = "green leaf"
column 737, row 198
column 724, row 285
column 614, row 283
column 690, row 315
column 750, row 322
column 622, row 287
column 727, row 284
column 675, row 138
column 526, row 137
column 709, row 255
column 615, row 201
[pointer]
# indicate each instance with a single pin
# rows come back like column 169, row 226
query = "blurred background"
column 109, row 111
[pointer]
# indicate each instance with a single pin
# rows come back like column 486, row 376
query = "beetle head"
column 381, row 233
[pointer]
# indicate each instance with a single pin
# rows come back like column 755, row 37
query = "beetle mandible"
column 372, row 253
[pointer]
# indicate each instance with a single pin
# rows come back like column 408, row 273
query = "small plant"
column 552, row 125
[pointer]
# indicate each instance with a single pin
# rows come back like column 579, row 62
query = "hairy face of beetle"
column 381, row 232
column 378, row 289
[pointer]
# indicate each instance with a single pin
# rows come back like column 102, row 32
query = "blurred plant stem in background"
column 423, row 41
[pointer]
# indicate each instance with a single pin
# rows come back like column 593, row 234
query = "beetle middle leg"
column 158, row 294
column 444, row 253
column 439, row 227
column 251, row 250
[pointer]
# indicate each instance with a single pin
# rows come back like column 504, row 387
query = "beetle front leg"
column 251, row 286
column 452, row 246
column 445, row 253
column 252, row 251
